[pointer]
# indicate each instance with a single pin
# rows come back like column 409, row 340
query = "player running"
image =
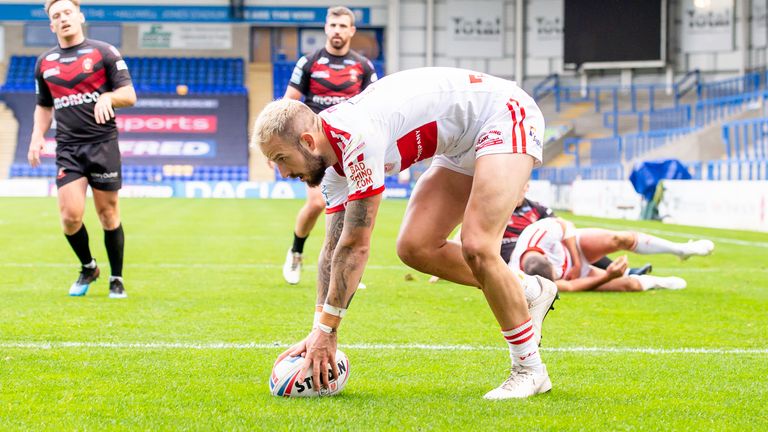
column 485, row 136
column 83, row 81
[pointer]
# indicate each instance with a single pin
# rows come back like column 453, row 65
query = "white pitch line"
column 685, row 235
column 391, row 347
column 312, row 268
column 221, row 266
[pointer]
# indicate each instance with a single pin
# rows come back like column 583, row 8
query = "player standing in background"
column 83, row 80
column 324, row 78
column 485, row 136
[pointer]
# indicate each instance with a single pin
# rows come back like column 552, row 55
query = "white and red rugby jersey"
column 416, row 114
column 544, row 236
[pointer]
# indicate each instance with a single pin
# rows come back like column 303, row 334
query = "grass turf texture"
column 205, row 275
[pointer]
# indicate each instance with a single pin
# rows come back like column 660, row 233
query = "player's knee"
column 623, row 240
column 71, row 221
column 109, row 218
column 409, row 251
column 476, row 253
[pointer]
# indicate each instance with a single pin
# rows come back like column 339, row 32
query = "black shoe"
column 641, row 270
column 116, row 289
column 87, row 276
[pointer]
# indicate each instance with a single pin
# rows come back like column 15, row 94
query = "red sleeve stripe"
column 517, row 111
column 366, row 193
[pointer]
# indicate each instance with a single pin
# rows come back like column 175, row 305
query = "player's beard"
column 316, row 166
column 338, row 43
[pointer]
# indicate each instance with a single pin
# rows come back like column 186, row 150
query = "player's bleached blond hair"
column 286, row 119
column 49, row 3
column 337, row 11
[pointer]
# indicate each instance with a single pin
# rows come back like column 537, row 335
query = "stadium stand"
column 645, row 121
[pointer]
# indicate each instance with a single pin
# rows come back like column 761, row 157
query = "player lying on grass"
column 553, row 248
column 526, row 213
column 485, row 136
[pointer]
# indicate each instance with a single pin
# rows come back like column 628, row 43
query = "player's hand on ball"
column 321, row 356
column 103, row 110
column 298, row 349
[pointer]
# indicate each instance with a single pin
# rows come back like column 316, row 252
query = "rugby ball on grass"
column 285, row 378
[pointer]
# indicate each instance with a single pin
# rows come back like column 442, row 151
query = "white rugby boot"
column 523, row 382
column 292, row 267
column 697, row 248
column 541, row 305
column 657, row 282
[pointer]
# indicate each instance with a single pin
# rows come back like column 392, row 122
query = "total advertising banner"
column 185, row 36
column 161, row 129
column 707, row 26
column 475, row 29
column 759, row 24
column 544, row 28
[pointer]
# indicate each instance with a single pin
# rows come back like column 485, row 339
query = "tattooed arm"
column 340, row 269
column 334, row 223
column 351, row 252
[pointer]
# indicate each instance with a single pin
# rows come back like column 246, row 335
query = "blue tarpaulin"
column 647, row 175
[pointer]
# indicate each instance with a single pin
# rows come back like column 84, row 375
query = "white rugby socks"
column 648, row 244
column 523, row 347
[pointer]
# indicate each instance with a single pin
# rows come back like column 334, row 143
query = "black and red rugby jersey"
column 326, row 80
column 71, row 79
column 524, row 215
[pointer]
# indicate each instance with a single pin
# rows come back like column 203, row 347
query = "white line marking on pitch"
column 413, row 347
column 312, row 268
column 195, row 266
column 687, row 235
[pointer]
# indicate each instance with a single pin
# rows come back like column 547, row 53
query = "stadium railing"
column 737, row 169
column 746, row 139
column 691, row 80
column 711, row 110
column 567, row 175
column 647, row 120
column 747, row 83
column 638, row 144
column 552, row 84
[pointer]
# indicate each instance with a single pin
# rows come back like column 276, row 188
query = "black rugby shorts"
column 99, row 162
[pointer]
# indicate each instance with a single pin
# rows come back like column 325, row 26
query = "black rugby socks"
column 79, row 243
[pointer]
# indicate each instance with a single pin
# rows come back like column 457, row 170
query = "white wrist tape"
column 325, row 328
column 335, row 311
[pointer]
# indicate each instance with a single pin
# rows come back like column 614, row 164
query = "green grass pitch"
column 207, row 313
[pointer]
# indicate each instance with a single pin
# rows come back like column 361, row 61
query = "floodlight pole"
column 430, row 37
column 393, row 36
column 519, row 39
